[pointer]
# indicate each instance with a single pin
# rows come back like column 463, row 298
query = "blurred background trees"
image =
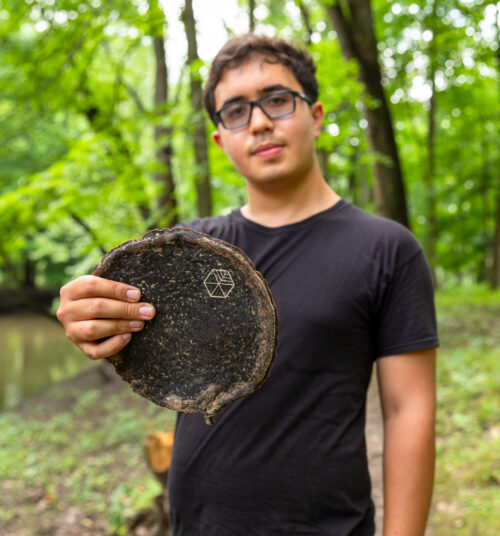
column 103, row 136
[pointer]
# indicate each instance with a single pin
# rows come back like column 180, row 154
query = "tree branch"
column 88, row 229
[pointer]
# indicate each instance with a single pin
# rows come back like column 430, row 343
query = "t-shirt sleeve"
column 406, row 319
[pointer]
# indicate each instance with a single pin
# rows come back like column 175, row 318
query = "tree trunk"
column 353, row 22
column 29, row 272
column 495, row 276
column 204, row 200
column 158, row 451
column 166, row 202
column 486, row 262
column 304, row 13
column 323, row 162
column 251, row 16
column 365, row 194
column 352, row 178
column 31, row 298
column 429, row 176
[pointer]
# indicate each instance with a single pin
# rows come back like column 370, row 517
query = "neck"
column 284, row 202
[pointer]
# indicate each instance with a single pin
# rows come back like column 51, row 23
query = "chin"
column 270, row 179
column 277, row 176
column 266, row 176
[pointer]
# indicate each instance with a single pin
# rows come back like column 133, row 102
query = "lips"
column 268, row 150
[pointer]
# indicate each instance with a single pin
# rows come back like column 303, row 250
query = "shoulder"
column 371, row 237
column 376, row 226
column 216, row 226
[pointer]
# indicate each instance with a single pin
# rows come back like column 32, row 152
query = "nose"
column 259, row 121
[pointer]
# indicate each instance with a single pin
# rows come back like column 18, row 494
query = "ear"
column 318, row 114
column 217, row 138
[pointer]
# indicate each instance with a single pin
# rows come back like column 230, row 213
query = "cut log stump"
column 158, row 450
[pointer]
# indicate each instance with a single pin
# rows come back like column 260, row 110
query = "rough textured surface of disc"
column 214, row 335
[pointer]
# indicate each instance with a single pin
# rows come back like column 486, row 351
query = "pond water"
column 34, row 353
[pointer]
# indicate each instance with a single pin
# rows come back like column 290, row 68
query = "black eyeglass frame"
column 218, row 119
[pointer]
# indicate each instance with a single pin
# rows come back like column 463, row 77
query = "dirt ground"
column 374, row 443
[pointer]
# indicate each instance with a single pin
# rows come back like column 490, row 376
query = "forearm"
column 409, row 453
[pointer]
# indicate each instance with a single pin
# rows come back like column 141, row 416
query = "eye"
column 236, row 111
column 277, row 100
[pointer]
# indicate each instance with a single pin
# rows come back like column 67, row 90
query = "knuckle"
column 89, row 331
column 60, row 314
column 93, row 352
column 83, row 284
column 118, row 291
column 130, row 310
column 63, row 290
column 95, row 308
column 89, row 283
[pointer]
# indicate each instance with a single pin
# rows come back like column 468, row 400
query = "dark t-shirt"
column 290, row 458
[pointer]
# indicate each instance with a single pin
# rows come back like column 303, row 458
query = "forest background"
column 103, row 137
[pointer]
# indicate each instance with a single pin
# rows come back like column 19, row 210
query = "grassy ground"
column 467, row 493
column 71, row 459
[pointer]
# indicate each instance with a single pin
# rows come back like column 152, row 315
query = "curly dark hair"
column 240, row 49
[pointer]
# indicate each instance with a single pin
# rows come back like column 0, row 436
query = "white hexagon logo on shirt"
column 219, row 283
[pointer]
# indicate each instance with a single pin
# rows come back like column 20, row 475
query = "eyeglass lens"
column 274, row 105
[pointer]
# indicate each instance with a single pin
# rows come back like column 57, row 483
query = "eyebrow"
column 264, row 90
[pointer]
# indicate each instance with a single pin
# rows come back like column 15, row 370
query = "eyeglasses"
column 278, row 104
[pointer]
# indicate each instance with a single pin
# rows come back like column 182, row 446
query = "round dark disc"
column 214, row 335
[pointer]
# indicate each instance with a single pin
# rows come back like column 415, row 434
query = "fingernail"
column 133, row 294
column 135, row 324
column 127, row 336
column 146, row 311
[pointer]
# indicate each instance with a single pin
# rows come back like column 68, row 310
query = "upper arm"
column 407, row 382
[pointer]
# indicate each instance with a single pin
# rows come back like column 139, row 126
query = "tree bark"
column 352, row 178
column 166, row 202
column 304, row 13
column 365, row 193
column 204, row 200
column 158, row 451
column 323, row 162
column 29, row 296
column 486, row 262
column 353, row 23
column 29, row 272
column 251, row 16
column 495, row 276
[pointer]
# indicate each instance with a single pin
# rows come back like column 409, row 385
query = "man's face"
column 268, row 150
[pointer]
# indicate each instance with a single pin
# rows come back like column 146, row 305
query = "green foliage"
column 126, row 500
column 460, row 40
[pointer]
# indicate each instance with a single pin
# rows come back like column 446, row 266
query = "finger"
column 89, row 286
column 93, row 330
column 106, row 348
column 93, row 308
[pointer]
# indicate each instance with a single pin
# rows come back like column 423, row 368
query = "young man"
column 350, row 288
